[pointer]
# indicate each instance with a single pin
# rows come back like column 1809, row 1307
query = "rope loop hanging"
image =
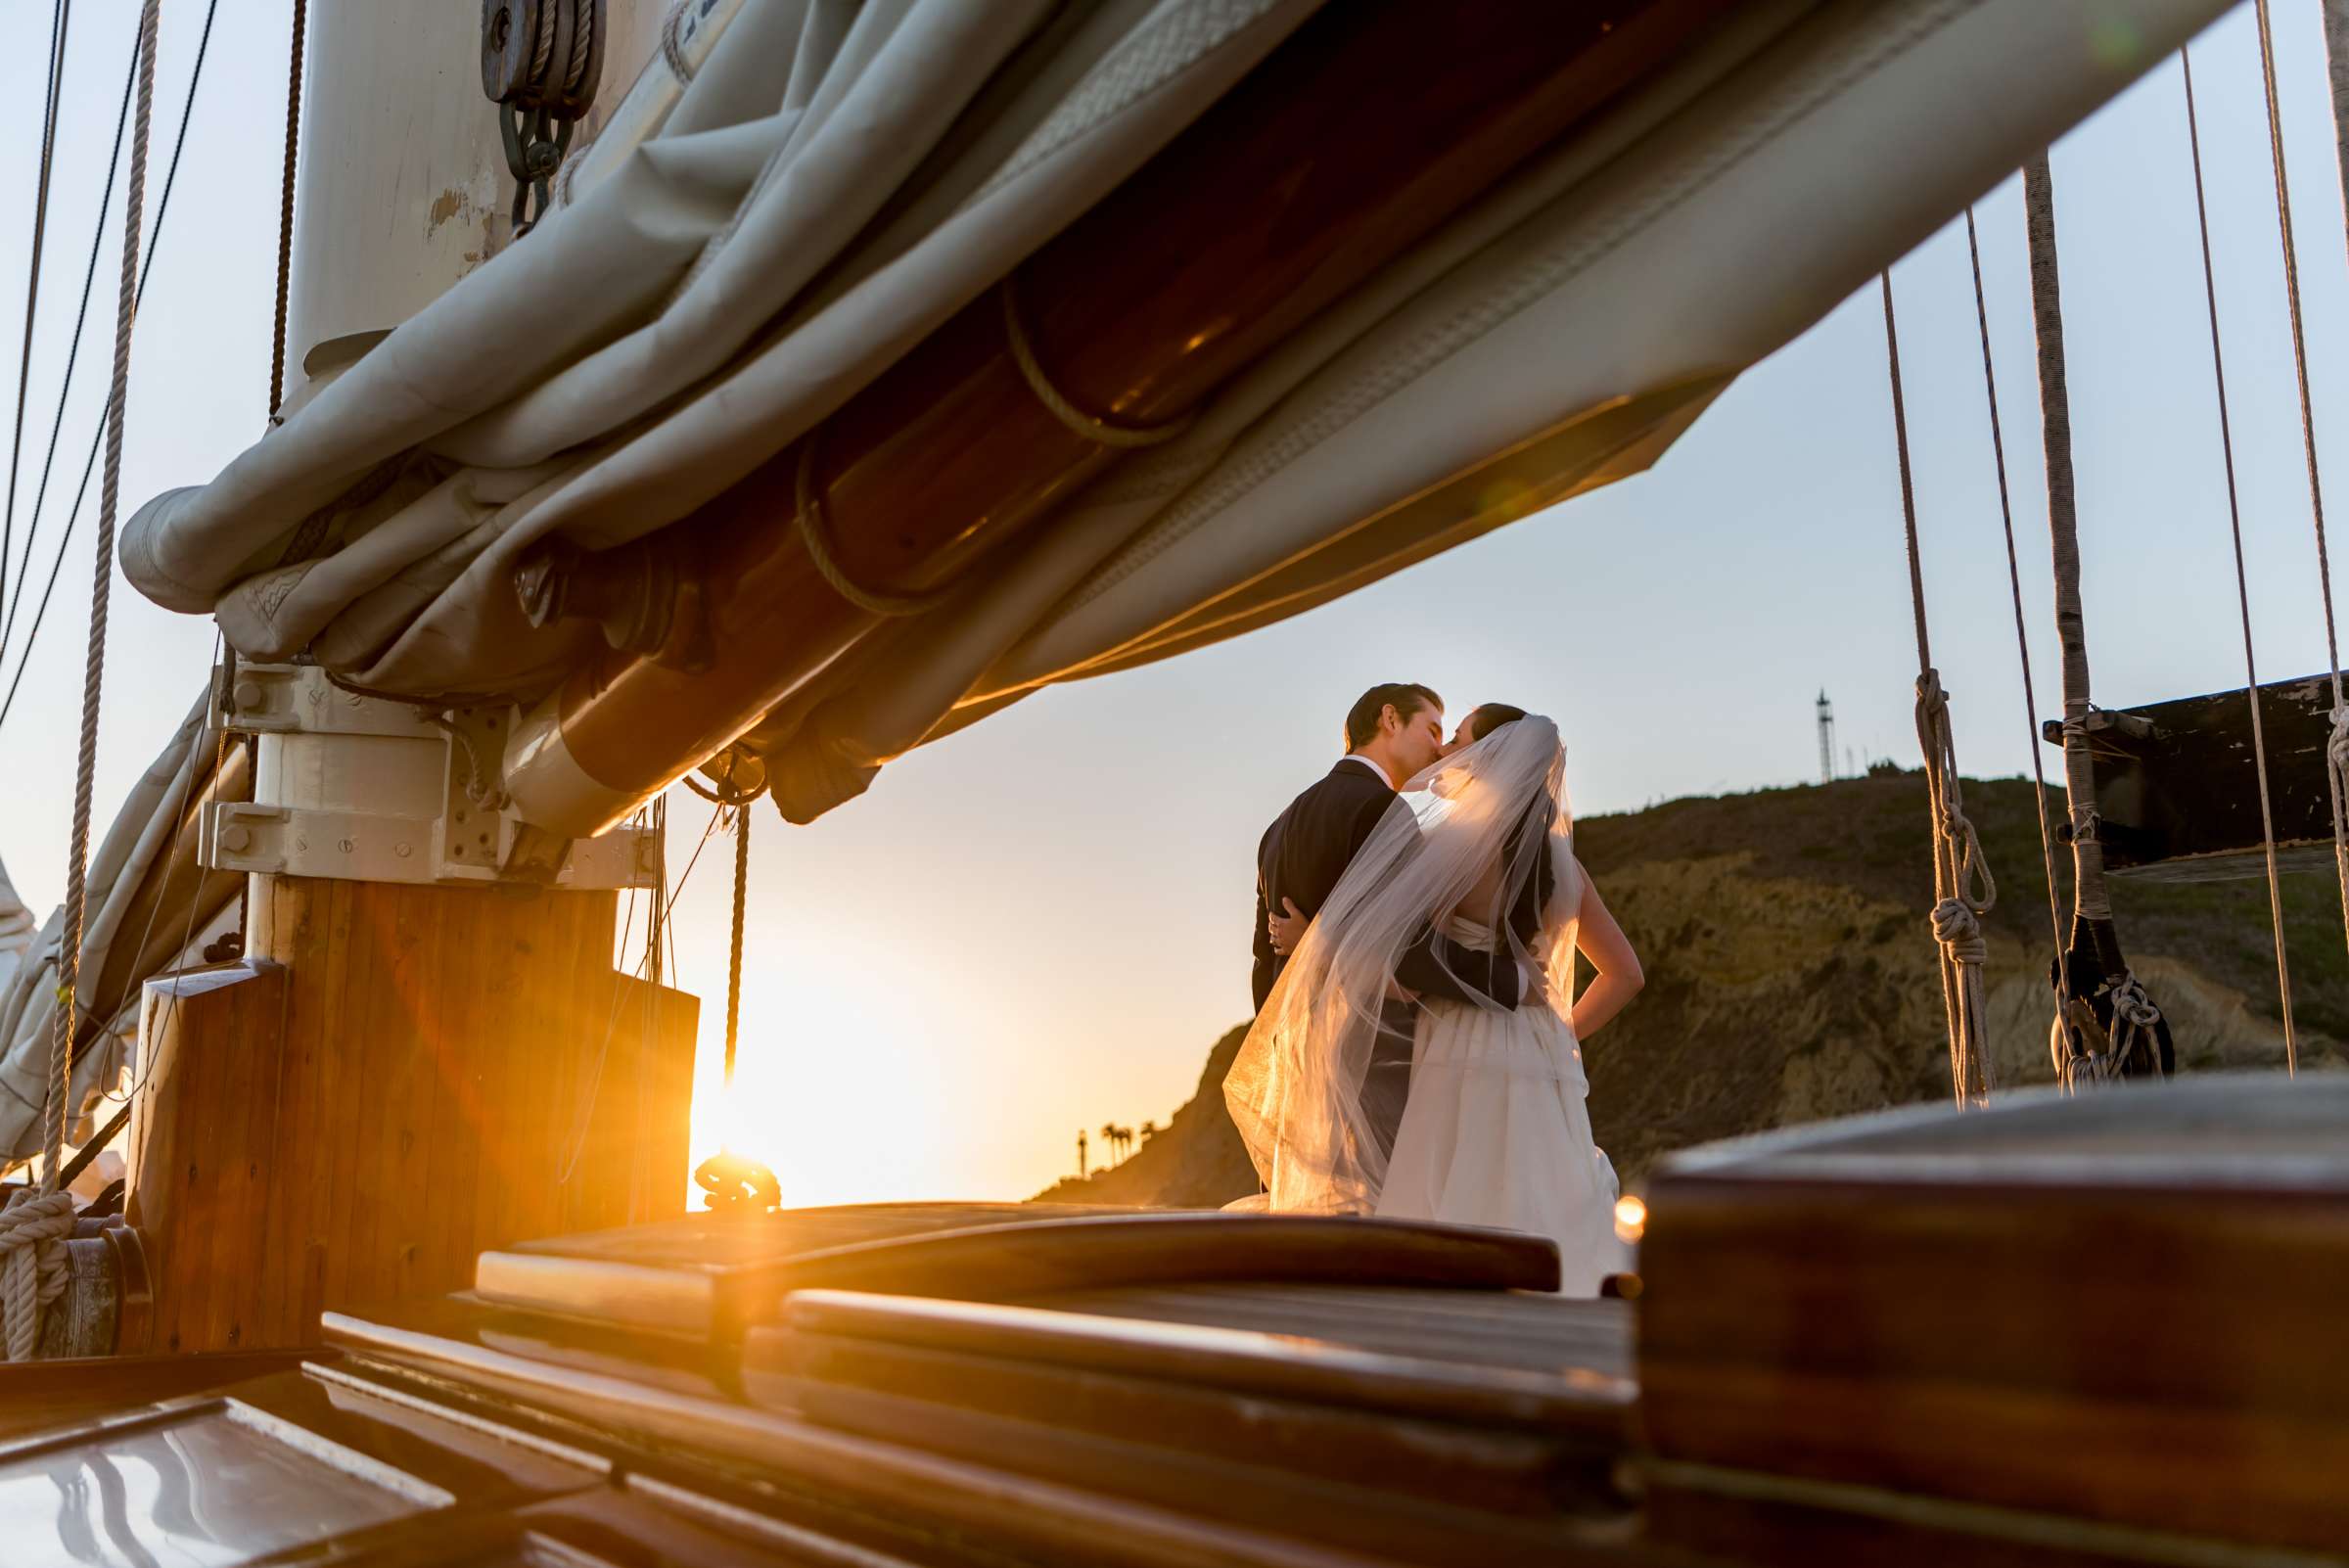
column 1962, row 888
column 1090, row 427
column 736, row 1183
column 815, row 538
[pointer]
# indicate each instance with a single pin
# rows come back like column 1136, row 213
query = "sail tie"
column 815, row 538
column 1090, row 427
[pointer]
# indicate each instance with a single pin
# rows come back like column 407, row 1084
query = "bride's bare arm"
column 1617, row 978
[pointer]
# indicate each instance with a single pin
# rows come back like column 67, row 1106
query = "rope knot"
column 33, row 1264
column 1959, row 930
column 2131, row 1005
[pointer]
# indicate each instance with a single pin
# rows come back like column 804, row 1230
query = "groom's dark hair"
column 1407, row 698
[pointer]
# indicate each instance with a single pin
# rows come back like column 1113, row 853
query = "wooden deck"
column 2058, row 1334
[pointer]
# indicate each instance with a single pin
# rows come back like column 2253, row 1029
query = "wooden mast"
column 400, row 1072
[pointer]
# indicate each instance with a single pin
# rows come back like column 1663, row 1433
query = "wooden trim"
column 983, row 1504
column 1246, row 1485
column 1028, row 1258
column 2253, row 1476
column 1594, row 1407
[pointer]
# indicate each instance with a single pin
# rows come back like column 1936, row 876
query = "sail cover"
column 821, row 184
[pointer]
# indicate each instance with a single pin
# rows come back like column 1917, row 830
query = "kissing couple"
column 1416, row 1051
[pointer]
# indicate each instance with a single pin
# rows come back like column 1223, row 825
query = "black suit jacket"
column 1306, row 849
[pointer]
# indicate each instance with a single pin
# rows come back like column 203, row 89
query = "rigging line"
column 663, row 906
column 1962, row 889
column 102, row 581
column 2308, row 442
column 187, row 934
column 2014, row 581
column 106, row 1134
column 61, row 19
column 82, row 315
column 595, row 1079
column 742, row 888
column 285, row 213
column 146, row 268
column 2242, row 587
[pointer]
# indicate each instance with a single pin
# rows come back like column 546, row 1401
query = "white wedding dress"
column 1495, row 1132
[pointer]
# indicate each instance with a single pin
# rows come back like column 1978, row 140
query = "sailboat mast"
column 419, row 1055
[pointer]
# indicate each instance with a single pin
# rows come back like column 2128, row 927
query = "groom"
column 1392, row 732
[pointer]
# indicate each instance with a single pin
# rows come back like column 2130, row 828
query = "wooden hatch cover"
column 2174, row 788
column 709, row 1275
column 2110, row 1322
column 1466, row 1431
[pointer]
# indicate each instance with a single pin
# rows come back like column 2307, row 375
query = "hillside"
column 1791, row 974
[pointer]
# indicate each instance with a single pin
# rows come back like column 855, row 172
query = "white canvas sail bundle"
column 834, row 180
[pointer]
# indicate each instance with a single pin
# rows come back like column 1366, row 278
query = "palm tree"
column 1149, row 1130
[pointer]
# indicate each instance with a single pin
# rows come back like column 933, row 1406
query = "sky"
column 1041, row 924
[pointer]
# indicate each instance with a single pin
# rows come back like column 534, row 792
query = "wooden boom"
column 1359, row 135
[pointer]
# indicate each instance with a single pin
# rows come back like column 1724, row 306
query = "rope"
column 33, row 1232
column 2015, row 584
column 2088, row 897
column 816, row 536
column 2243, row 588
column 2336, row 750
column 583, row 44
column 82, row 311
column 1962, row 889
column 742, row 889
column 1100, row 432
column 2132, row 1013
column 673, row 48
column 162, row 210
column 285, row 212
column 93, row 680
column 60, row 17
column 33, row 1228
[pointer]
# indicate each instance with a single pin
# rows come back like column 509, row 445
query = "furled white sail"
column 834, row 180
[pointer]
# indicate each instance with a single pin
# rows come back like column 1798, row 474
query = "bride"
column 1494, row 1131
